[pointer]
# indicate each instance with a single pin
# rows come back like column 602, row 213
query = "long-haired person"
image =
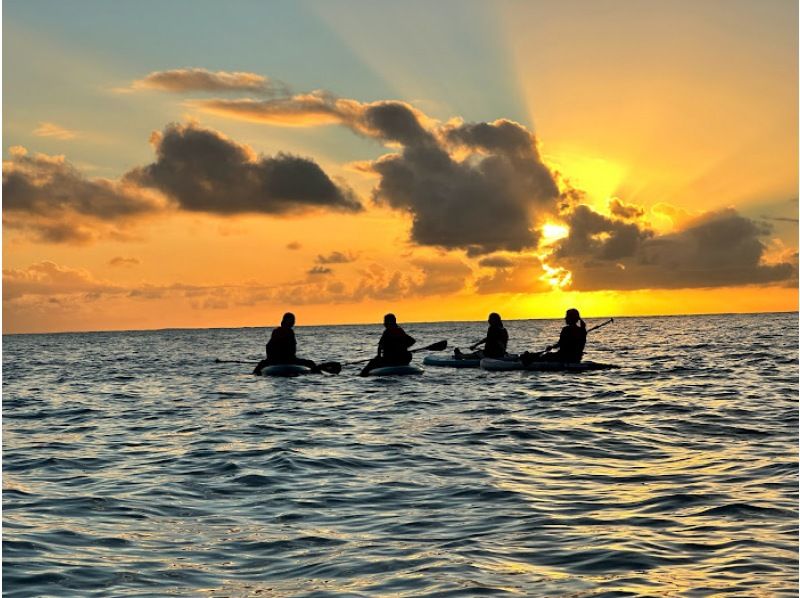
column 570, row 343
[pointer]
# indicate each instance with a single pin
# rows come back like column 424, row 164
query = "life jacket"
column 394, row 344
column 571, row 343
column 282, row 346
column 496, row 342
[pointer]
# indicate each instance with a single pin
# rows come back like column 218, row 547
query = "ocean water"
column 133, row 465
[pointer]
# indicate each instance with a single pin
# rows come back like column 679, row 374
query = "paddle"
column 330, row 367
column 534, row 356
column 440, row 346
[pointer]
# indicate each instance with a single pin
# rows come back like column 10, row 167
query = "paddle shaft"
column 438, row 346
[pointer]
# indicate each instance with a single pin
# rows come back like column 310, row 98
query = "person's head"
column 495, row 320
column 287, row 320
column 389, row 320
column 573, row 316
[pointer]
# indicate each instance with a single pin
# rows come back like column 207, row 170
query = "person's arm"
column 562, row 339
column 410, row 340
column 381, row 343
column 474, row 346
column 271, row 343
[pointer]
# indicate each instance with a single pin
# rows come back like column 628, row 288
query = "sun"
column 552, row 232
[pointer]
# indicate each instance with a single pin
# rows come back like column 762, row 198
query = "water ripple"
column 133, row 465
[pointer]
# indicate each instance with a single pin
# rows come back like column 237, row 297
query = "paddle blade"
column 440, row 346
column 330, row 367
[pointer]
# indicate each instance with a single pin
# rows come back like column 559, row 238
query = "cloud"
column 197, row 169
column 123, row 261
column 48, row 129
column 473, row 186
column 423, row 278
column 521, row 275
column 48, row 278
column 198, row 79
column 625, row 211
column 336, row 257
column 716, row 249
column 496, row 261
column 781, row 219
column 204, row 171
column 46, row 286
column 48, row 197
column 487, row 201
column 293, row 246
column 319, row 271
column 592, row 234
column 302, row 110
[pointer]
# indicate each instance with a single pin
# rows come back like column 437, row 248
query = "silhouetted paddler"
column 282, row 347
column 392, row 347
column 570, row 344
column 495, row 343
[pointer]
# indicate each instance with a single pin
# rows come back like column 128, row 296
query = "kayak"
column 500, row 365
column 448, row 361
column 396, row 370
column 286, row 369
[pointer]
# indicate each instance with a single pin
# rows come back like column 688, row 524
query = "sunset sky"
column 207, row 164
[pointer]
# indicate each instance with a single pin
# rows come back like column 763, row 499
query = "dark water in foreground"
column 133, row 465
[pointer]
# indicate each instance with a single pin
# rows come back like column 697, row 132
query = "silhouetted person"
column 570, row 344
column 392, row 348
column 494, row 344
column 282, row 347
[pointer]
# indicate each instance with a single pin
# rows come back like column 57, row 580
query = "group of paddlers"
column 394, row 344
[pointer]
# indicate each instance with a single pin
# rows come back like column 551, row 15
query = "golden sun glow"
column 552, row 232
column 599, row 178
column 556, row 277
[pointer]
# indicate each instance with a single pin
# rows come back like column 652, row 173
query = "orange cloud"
column 199, row 79
column 48, row 129
column 50, row 279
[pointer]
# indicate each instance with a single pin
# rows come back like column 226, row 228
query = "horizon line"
column 408, row 323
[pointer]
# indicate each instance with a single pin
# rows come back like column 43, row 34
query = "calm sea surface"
column 135, row 465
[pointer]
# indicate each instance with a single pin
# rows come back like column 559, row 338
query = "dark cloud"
column 473, row 186
column 196, row 79
column 294, row 246
column 499, row 136
column 48, row 197
column 625, row 211
column 206, row 172
column 319, row 271
column 592, row 234
column 718, row 249
column 124, row 261
column 336, row 257
column 781, row 219
column 496, row 261
column 486, row 202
